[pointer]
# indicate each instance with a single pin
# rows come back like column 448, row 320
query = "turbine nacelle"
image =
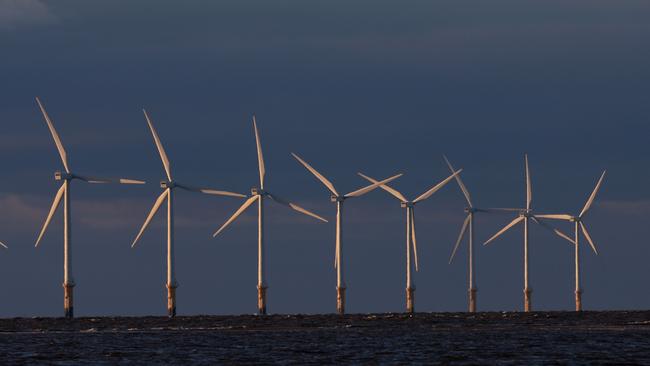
column 165, row 184
column 258, row 192
column 59, row 175
column 335, row 198
column 407, row 204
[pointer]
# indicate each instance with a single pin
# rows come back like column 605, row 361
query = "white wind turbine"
column 525, row 215
column 64, row 193
column 579, row 226
column 259, row 195
column 468, row 224
column 168, row 187
column 339, row 199
column 409, row 205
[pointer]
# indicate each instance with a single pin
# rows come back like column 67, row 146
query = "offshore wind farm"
column 324, row 183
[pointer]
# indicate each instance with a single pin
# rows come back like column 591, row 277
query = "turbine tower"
column 468, row 224
column 64, row 193
column 524, row 215
column 259, row 194
column 409, row 205
column 339, row 199
column 579, row 226
column 168, row 187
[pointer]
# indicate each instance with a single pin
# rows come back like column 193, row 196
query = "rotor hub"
column 58, row 175
column 164, row 184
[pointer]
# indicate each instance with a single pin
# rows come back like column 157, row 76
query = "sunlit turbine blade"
column 529, row 189
column 210, row 191
column 109, row 180
column 552, row 229
column 460, row 183
column 460, row 238
column 364, row 190
column 593, row 195
column 3, row 245
column 505, row 228
column 55, row 135
column 161, row 149
column 556, row 217
column 55, row 205
column 260, row 157
column 295, row 207
column 318, row 175
column 586, row 233
column 239, row 211
column 415, row 244
column 435, row 188
column 386, row 188
column 153, row 211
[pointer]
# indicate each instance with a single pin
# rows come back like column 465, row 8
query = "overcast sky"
column 373, row 86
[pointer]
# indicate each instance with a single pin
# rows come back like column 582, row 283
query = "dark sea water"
column 614, row 337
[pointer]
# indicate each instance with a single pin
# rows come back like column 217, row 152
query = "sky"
column 369, row 86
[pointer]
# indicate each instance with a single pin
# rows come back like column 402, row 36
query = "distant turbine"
column 468, row 224
column 64, row 192
column 338, row 198
column 259, row 194
column 578, row 225
column 409, row 205
column 168, row 187
column 525, row 214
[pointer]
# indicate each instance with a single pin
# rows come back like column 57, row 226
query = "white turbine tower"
column 579, row 226
column 259, row 195
column 168, row 187
column 339, row 199
column 409, row 205
column 525, row 215
column 64, row 193
column 468, row 225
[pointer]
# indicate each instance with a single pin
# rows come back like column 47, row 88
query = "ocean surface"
column 611, row 337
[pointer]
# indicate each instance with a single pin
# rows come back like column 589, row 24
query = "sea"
column 490, row 338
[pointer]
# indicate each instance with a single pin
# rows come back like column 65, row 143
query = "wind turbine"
column 259, row 194
column 525, row 215
column 579, row 226
column 168, row 187
column 64, row 193
column 339, row 199
column 468, row 224
column 409, row 205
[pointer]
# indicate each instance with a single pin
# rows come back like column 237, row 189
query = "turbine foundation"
column 410, row 299
column 340, row 300
column 528, row 303
column 68, row 306
column 472, row 300
column 261, row 300
column 171, row 301
column 579, row 300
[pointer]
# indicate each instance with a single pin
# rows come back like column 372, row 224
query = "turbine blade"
column 593, row 195
column 552, row 229
column 586, row 233
column 161, row 149
column 505, row 228
column 460, row 183
column 415, row 244
column 556, row 217
column 295, row 207
column 109, row 180
column 364, row 190
column 55, row 205
column 386, row 188
column 55, row 135
column 3, row 245
column 318, row 175
column 460, row 238
column 529, row 189
column 260, row 157
column 435, row 188
column 210, row 191
column 239, row 211
column 153, row 211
